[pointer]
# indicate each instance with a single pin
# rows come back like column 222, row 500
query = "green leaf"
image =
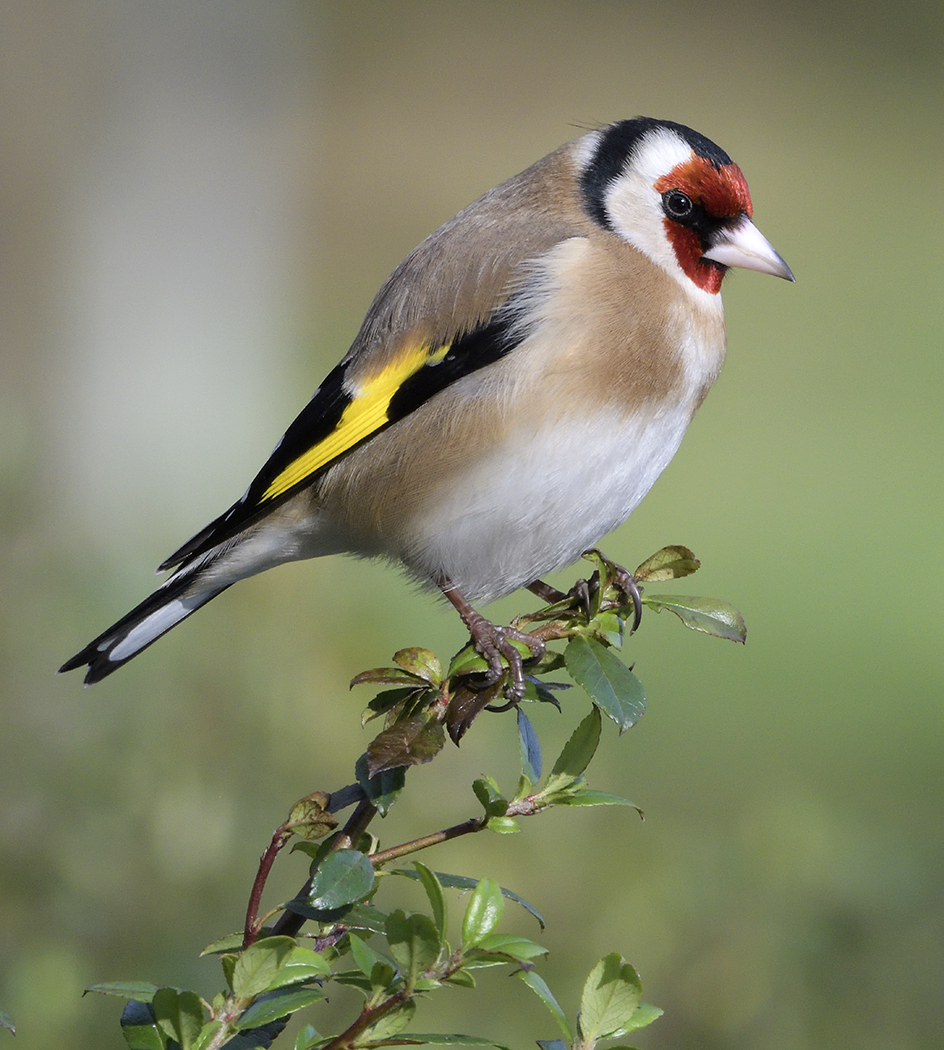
column 518, row 948
column 488, row 793
column 281, row 1003
column 538, row 985
column 608, row 682
column 207, row 1034
column 388, row 676
column 477, row 960
column 708, row 615
column 345, row 876
column 143, row 991
column 302, row 964
column 366, row 917
column 259, row 965
column 385, row 981
column 543, row 690
column 381, row 790
column 438, row 1039
column 257, row 1038
column 644, row 1014
column 139, row 1028
column 307, row 1038
column 461, row 978
column 389, row 1025
column 503, row 825
column 179, row 1015
column 378, row 970
column 581, row 747
column 232, row 942
column 465, row 882
column 530, row 748
column 610, row 997
column 412, row 742
column 588, row 797
column 6, row 1021
column 390, row 701
column 420, row 662
column 354, row 979
column 611, row 626
column 414, row 944
column 316, row 850
column 670, row 563
column 483, row 913
column 365, row 958
column 434, row 892
column 310, row 819
column 467, row 661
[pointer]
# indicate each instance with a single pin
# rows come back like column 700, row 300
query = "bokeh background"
column 197, row 203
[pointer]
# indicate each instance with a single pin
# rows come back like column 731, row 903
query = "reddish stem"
column 251, row 928
column 289, row 923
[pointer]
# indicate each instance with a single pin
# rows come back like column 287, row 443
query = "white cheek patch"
column 634, row 206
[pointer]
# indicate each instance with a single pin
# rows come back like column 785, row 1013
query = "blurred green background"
column 197, row 203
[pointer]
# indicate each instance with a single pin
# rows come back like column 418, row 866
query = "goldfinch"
column 518, row 384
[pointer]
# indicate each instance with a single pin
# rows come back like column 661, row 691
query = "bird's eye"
column 677, row 205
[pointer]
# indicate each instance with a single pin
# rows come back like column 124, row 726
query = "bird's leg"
column 494, row 642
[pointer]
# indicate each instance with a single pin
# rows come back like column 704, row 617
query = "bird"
column 518, row 384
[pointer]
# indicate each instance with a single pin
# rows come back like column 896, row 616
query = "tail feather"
column 206, row 538
column 141, row 627
column 287, row 534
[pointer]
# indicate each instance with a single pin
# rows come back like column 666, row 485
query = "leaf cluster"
column 390, row 957
column 393, row 957
column 427, row 702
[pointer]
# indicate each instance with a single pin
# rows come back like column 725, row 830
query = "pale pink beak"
column 745, row 246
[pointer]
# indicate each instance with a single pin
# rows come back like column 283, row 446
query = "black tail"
column 133, row 633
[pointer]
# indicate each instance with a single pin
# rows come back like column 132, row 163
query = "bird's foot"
column 581, row 594
column 495, row 643
column 626, row 584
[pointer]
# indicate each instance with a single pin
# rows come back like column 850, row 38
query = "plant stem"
column 366, row 1019
column 394, row 852
column 251, row 927
column 289, row 922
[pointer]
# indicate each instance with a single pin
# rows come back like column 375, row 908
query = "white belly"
column 536, row 505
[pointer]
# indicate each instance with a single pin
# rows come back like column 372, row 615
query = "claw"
column 494, row 642
column 581, row 592
column 626, row 582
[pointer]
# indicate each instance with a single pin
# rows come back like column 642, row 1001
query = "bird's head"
column 678, row 198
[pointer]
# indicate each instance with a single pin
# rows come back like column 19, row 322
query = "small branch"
column 344, row 797
column 252, row 926
column 366, row 1019
column 289, row 922
column 357, row 824
column 372, row 1015
column 395, row 852
column 525, row 807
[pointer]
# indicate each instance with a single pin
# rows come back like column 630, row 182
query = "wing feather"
column 338, row 419
column 447, row 310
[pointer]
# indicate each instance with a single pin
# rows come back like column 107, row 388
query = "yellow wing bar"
column 366, row 413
